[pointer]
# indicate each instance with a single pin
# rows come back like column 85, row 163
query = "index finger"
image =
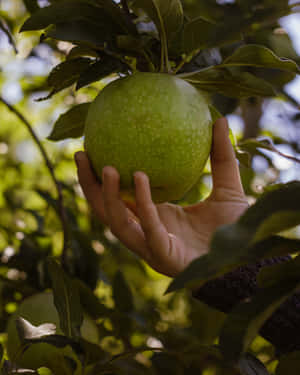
column 92, row 189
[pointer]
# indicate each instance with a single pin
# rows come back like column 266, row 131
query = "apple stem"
column 165, row 63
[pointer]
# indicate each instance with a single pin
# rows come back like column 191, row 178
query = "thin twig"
column 294, row 5
column 290, row 98
column 292, row 158
column 61, row 208
column 5, row 29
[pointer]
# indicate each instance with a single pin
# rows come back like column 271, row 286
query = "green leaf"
column 66, row 74
column 66, row 300
column 99, row 70
column 166, row 14
column 244, row 322
column 31, row 5
column 269, row 276
column 133, row 43
column 243, row 157
column 235, row 84
column 249, row 239
column 200, row 33
column 250, row 365
column 259, row 57
column 289, row 364
column 238, row 253
column 90, row 303
column 81, row 32
column 70, row 124
column 61, row 12
column 117, row 15
column 122, row 294
column 210, row 10
column 81, row 51
column 215, row 114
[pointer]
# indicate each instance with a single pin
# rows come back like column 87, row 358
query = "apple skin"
column 39, row 309
column 151, row 122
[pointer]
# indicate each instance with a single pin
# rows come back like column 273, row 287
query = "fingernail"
column 104, row 172
column 139, row 175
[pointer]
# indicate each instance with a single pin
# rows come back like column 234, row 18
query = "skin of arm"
column 168, row 237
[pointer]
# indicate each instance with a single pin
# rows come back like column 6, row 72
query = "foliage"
column 236, row 52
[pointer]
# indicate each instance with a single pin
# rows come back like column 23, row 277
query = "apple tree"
column 235, row 310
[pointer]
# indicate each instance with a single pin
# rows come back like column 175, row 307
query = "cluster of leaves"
column 226, row 49
column 159, row 36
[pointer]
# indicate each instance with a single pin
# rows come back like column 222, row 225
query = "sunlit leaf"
column 27, row 331
column 229, row 83
column 81, row 51
column 259, row 57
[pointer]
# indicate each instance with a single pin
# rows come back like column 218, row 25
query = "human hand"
column 168, row 237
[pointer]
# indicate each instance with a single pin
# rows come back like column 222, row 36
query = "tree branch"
column 61, row 208
column 282, row 329
column 5, row 29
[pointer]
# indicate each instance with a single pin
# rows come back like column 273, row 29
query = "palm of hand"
column 168, row 236
column 190, row 230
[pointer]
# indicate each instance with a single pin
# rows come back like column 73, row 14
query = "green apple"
column 151, row 122
column 39, row 309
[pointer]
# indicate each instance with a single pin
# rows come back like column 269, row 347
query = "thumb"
column 225, row 170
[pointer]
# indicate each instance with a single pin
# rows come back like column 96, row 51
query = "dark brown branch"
column 61, row 208
column 282, row 329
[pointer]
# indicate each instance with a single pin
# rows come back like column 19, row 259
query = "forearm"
column 282, row 329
